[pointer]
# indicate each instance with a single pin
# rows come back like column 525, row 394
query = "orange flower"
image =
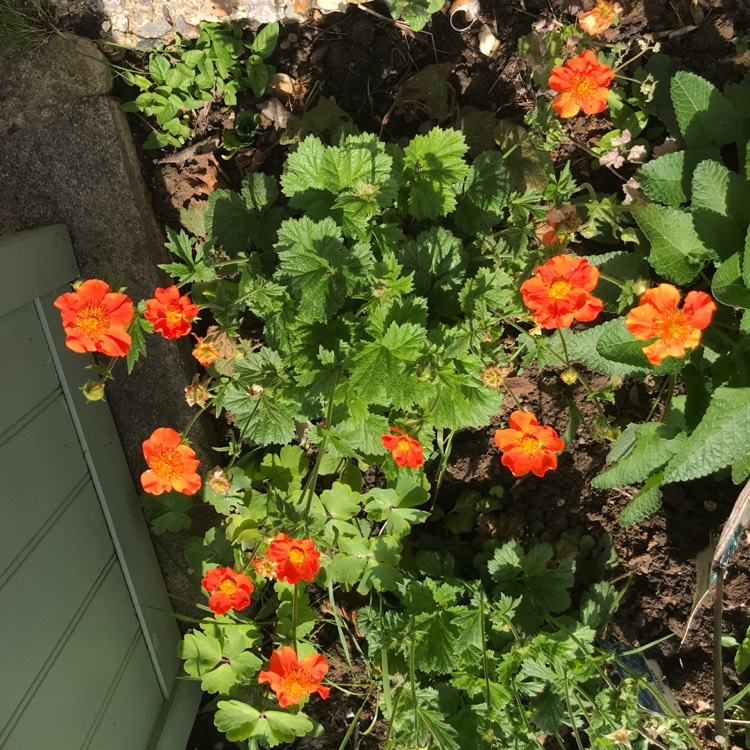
column 170, row 313
column 600, row 18
column 527, row 446
column 559, row 292
column 657, row 315
column 231, row 590
column 205, row 352
column 406, row 450
column 582, row 84
column 295, row 560
column 171, row 464
column 292, row 679
column 95, row 319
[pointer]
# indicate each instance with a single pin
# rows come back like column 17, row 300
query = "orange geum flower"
column 171, row 464
column 228, row 588
column 170, row 313
column 293, row 679
column 296, row 560
column 658, row 315
column 528, row 446
column 603, row 15
column 405, row 449
column 205, row 352
column 95, row 319
column 559, row 292
column 582, row 84
column 561, row 223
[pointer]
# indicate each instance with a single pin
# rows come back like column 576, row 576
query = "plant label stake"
column 725, row 549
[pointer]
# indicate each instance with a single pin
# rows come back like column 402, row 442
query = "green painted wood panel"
column 76, row 689
column 28, row 376
column 39, row 468
column 43, row 596
column 33, row 263
column 128, row 719
column 92, row 663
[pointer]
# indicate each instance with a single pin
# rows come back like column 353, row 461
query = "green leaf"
column 549, row 710
column 703, row 114
column 722, row 436
column 240, row 721
column 396, row 508
column 742, row 657
column 518, row 573
column 265, row 42
column 258, row 75
column 582, row 348
column 598, row 604
column 264, row 419
column 655, row 444
column 158, row 67
column 677, row 252
column 230, row 222
column 137, row 344
column 371, row 562
column 663, row 179
column 645, row 502
column 728, row 285
column 438, row 262
column 381, row 371
column 320, row 270
column 200, row 652
column 746, row 261
column 341, row 502
column 434, row 170
column 719, row 208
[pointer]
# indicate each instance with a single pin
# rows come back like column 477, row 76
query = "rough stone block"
column 63, row 70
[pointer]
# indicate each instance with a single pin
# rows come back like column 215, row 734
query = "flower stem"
column 295, row 596
column 580, row 377
column 514, row 397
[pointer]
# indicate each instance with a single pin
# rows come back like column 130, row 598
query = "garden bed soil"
column 362, row 62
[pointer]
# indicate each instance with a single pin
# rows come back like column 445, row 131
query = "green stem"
column 514, row 397
column 571, row 715
column 295, row 603
column 632, row 59
column 313, row 478
column 580, row 377
column 657, row 400
column 485, row 663
column 668, row 407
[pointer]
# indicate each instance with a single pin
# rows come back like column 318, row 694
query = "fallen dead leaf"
column 273, row 112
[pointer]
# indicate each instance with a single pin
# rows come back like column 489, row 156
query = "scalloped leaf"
column 722, row 436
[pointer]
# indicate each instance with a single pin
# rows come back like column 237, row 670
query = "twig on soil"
column 205, row 146
column 403, row 27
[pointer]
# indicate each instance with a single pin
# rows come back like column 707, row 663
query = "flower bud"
column 640, row 286
column 93, row 390
column 569, row 376
column 255, row 390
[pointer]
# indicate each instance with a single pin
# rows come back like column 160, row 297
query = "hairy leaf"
column 722, row 436
column 434, row 170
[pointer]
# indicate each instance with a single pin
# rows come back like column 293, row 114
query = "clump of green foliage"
column 186, row 76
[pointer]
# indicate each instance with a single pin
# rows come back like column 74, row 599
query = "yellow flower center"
column 559, row 289
column 583, row 87
column 166, row 464
column 529, row 444
column 673, row 326
column 92, row 320
column 403, row 444
column 174, row 313
column 297, row 683
column 228, row 586
column 296, row 556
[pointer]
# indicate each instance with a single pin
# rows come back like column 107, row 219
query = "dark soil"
column 362, row 62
